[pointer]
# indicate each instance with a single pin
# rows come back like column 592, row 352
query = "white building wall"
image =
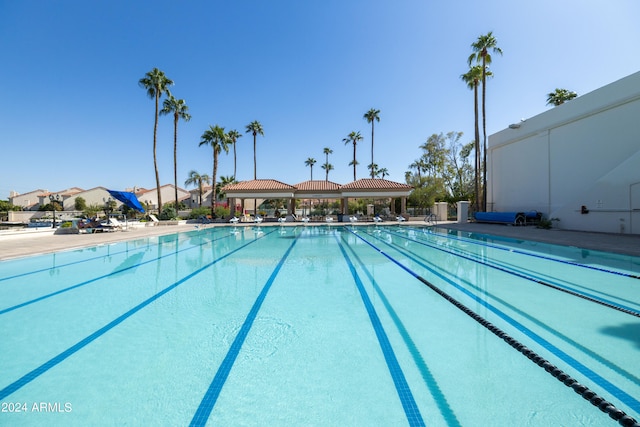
column 585, row 152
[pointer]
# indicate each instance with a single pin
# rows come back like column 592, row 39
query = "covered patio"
column 366, row 188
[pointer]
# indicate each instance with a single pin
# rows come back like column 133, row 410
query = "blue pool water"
column 320, row 326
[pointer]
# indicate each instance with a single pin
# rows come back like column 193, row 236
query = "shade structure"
column 128, row 198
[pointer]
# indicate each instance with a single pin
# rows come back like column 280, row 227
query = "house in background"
column 150, row 197
column 28, row 201
column 32, row 200
column 578, row 162
column 97, row 196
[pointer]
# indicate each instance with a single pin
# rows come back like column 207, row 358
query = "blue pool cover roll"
column 508, row 217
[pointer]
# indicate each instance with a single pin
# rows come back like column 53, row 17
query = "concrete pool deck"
column 17, row 244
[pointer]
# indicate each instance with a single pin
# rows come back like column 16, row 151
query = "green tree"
column 560, row 96
column 458, row 175
column 374, row 169
column 353, row 138
column 372, row 116
column 219, row 141
column 156, row 83
column 196, row 179
column 5, row 206
column 233, row 138
column 255, row 128
column 481, row 55
column 327, row 168
column 310, row 162
column 384, row 172
column 80, row 203
column 434, row 155
column 224, row 181
column 180, row 110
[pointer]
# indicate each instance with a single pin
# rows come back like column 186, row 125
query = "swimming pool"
column 320, row 325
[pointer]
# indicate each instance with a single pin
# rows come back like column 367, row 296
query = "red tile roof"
column 375, row 184
column 318, row 185
column 259, row 185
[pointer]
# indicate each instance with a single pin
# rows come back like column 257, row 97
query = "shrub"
column 200, row 211
column 168, row 212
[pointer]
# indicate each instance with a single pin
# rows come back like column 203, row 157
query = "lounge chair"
column 329, row 219
column 282, row 220
column 154, row 220
column 204, row 220
column 353, row 219
column 400, row 218
column 377, row 219
column 258, row 220
column 234, row 220
column 117, row 225
column 305, row 220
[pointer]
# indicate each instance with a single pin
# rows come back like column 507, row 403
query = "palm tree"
column 310, row 162
column 560, row 96
column 224, row 181
column 218, row 140
column 374, row 169
column 417, row 165
column 327, row 167
column 180, row 111
column 255, row 128
column 353, row 138
column 156, row 84
column 233, row 138
column 327, row 151
column 371, row 116
column 481, row 55
column 472, row 79
column 196, row 179
column 384, row 172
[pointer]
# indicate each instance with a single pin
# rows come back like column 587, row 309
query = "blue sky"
column 72, row 113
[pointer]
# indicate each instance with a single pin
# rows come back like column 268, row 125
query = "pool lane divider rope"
column 591, row 298
column 104, row 276
column 402, row 387
column 430, row 381
column 563, row 261
column 213, row 392
column 601, row 403
column 619, row 370
column 56, row 360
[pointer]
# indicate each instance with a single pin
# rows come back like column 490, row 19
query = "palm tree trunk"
column 175, row 158
column 477, row 150
column 354, row 161
column 484, row 134
column 372, row 148
column 234, row 161
column 155, row 157
column 213, row 180
column 254, row 156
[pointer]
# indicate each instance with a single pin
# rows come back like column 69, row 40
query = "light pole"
column 53, row 200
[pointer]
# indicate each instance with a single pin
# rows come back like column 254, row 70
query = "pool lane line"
column 432, row 384
column 402, row 387
column 35, row 373
column 563, row 261
column 596, row 400
column 586, row 296
column 213, row 392
column 104, row 276
column 595, row 356
column 42, row 270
